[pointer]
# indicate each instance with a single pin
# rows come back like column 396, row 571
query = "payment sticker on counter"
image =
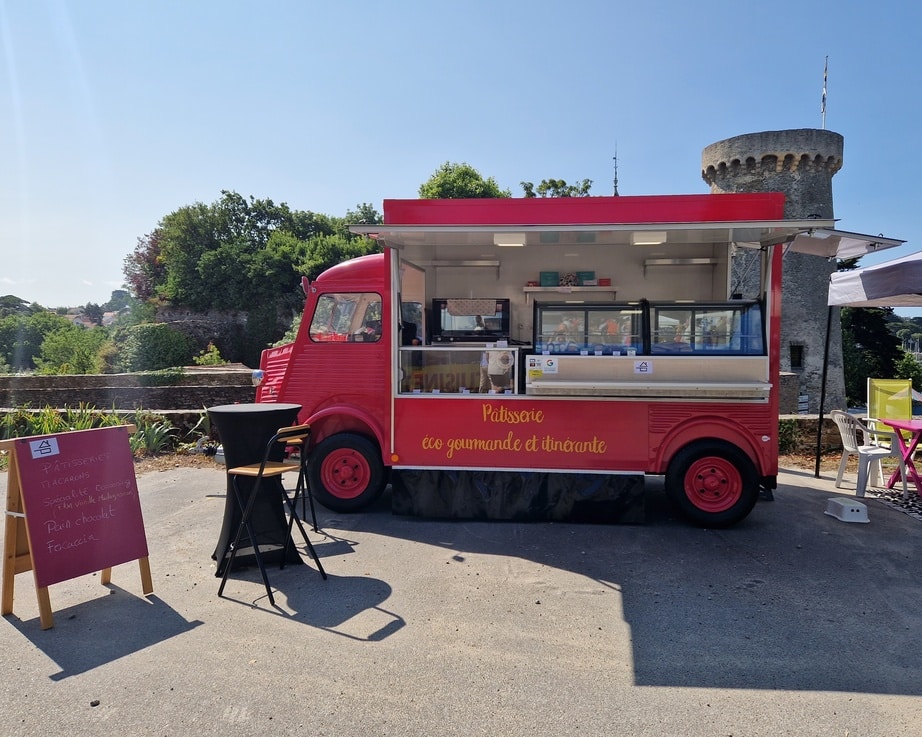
column 643, row 367
column 538, row 365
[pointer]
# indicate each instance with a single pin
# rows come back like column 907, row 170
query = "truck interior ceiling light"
column 509, row 240
column 648, row 238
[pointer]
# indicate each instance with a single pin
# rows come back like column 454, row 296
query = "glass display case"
column 649, row 328
column 459, row 370
column 603, row 329
column 733, row 328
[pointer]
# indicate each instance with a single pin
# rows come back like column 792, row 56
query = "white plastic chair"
column 858, row 440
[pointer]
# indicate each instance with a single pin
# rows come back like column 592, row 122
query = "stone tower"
column 800, row 163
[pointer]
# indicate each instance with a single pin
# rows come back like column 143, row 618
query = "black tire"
column 345, row 472
column 712, row 483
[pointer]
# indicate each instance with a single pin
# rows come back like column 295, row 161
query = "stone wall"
column 805, row 434
column 788, row 391
column 238, row 335
column 196, row 387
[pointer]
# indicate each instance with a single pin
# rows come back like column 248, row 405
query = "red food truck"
column 520, row 343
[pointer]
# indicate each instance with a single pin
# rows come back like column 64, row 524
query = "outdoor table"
column 244, row 430
column 906, row 448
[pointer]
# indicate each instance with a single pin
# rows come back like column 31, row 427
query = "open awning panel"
column 840, row 244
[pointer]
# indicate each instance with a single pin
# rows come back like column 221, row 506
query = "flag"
column 825, row 73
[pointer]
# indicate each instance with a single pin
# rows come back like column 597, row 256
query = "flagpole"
column 615, row 159
column 823, row 106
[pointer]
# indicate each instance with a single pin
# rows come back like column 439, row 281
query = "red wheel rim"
column 713, row 484
column 345, row 473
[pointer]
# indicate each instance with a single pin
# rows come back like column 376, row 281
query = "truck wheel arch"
column 706, row 428
column 333, row 420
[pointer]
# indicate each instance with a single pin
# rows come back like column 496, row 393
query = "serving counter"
column 467, row 369
column 686, row 377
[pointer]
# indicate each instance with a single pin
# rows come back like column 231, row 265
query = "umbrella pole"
column 819, row 424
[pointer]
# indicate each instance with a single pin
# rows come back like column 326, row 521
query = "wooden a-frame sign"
column 72, row 508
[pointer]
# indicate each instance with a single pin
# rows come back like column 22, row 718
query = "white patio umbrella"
column 895, row 283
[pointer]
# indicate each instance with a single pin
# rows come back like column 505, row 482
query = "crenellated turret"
column 800, row 163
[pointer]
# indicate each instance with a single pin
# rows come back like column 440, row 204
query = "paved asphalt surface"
column 792, row 623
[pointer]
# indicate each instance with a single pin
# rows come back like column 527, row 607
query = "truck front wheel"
column 712, row 483
column 346, row 473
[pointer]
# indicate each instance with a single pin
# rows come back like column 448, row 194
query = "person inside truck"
column 370, row 332
column 408, row 333
column 499, row 365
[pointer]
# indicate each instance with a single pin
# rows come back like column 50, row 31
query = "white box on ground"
column 847, row 510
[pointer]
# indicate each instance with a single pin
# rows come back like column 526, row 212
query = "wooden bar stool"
column 294, row 435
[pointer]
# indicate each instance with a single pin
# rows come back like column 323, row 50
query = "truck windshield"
column 347, row 317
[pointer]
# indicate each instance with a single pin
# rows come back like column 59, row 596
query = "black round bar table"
column 244, row 430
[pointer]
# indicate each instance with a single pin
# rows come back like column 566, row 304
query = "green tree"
column 909, row 368
column 145, row 272
column 72, row 350
column 21, row 337
column 120, row 299
column 93, row 312
column 557, row 188
column 869, row 349
column 10, row 305
column 187, row 235
column 326, row 251
column 229, row 255
column 459, row 181
column 241, row 254
column 363, row 214
column 154, row 346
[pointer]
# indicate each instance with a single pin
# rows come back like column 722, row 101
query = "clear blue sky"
column 114, row 114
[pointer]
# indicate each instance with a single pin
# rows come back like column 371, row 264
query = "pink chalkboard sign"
column 80, row 498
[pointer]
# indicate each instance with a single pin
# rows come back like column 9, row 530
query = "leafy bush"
column 152, row 439
column 25, row 422
column 788, row 436
column 291, row 334
column 154, row 346
column 86, row 417
column 198, row 439
column 909, row 368
column 164, row 377
column 154, row 435
column 210, row 356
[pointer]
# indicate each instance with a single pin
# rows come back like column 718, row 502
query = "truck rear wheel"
column 346, row 473
column 712, row 483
